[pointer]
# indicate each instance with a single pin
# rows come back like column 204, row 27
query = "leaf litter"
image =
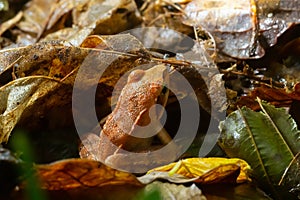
column 42, row 50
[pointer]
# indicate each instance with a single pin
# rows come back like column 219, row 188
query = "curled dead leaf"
column 243, row 29
column 206, row 170
column 18, row 96
column 74, row 173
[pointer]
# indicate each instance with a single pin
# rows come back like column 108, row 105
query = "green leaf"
column 267, row 140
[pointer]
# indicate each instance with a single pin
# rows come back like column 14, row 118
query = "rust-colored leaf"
column 74, row 173
column 94, row 41
column 275, row 96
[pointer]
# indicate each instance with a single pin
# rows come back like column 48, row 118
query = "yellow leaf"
column 210, row 170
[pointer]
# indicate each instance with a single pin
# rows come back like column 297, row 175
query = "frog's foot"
column 139, row 162
column 89, row 147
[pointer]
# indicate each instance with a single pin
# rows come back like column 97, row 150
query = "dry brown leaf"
column 10, row 23
column 94, row 41
column 95, row 17
column 275, row 96
column 112, row 14
column 165, row 14
column 61, row 8
column 49, row 19
column 239, row 27
column 19, row 95
column 57, row 64
column 53, row 59
column 74, row 173
column 35, row 19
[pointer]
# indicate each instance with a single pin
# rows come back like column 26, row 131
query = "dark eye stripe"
column 164, row 90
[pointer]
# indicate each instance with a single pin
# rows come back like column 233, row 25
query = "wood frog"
column 136, row 116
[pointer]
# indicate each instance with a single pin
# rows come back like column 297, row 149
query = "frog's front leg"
column 140, row 162
column 143, row 161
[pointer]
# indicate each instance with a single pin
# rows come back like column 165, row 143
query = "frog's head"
column 151, row 84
